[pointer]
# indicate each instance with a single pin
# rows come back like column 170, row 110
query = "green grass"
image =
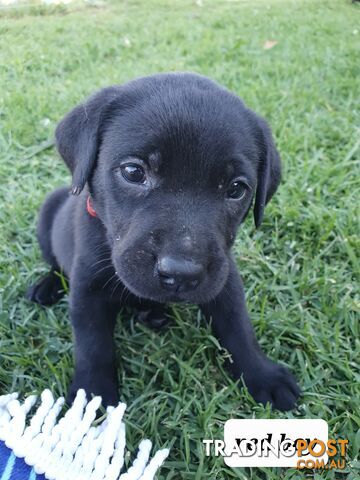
column 299, row 269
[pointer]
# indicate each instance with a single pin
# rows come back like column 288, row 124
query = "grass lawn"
column 299, row 269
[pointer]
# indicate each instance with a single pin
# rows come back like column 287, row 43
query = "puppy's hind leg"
column 49, row 289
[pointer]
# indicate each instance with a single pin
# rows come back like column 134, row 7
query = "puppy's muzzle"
column 179, row 275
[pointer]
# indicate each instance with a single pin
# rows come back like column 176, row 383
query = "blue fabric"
column 13, row 468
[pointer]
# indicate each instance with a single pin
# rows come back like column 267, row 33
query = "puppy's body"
column 171, row 164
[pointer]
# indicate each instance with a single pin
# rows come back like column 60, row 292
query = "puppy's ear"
column 268, row 174
column 78, row 136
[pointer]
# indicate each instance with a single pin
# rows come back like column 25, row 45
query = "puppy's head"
column 173, row 163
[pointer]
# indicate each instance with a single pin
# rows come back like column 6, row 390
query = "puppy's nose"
column 178, row 274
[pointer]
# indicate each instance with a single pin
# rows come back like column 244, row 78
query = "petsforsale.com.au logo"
column 278, row 443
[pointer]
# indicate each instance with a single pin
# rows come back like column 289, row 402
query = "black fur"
column 166, row 239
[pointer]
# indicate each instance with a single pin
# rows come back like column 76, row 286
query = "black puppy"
column 165, row 169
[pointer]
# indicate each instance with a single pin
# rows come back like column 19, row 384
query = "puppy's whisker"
column 125, row 292
column 107, row 259
column 100, row 245
column 127, row 295
column 102, row 269
column 115, row 288
column 109, row 280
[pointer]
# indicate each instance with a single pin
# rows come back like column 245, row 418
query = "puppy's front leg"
column 267, row 381
column 93, row 318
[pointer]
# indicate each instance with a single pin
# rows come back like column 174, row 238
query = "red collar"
column 90, row 208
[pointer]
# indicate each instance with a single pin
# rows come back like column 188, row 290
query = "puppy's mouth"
column 158, row 295
column 169, row 279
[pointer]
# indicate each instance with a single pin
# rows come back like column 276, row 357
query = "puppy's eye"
column 236, row 190
column 133, row 173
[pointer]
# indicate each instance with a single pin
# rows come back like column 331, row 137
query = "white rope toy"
column 73, row 449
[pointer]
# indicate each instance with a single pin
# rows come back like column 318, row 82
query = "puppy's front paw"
column 105, row 388
column 271, row 382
